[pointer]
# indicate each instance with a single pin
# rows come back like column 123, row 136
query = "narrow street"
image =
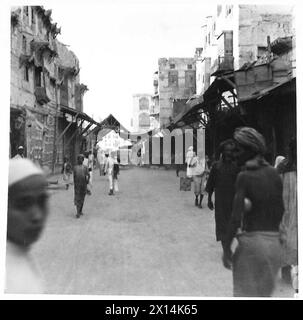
column 148, row 240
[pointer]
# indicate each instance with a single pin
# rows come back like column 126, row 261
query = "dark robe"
column 81, row 178
column 257, row 258
column 221, row 180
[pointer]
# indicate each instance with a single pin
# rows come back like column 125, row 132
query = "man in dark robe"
column 256, row 216
column 221, row 180
column 81, row 179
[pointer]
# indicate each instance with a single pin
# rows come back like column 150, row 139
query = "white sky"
column 118, row 44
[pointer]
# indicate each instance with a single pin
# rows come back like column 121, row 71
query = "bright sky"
column 119, row 42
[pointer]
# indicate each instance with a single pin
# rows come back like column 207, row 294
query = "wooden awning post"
column 73, row 135
column 64, row 131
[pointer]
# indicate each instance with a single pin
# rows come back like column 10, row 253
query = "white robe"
column 22, row 275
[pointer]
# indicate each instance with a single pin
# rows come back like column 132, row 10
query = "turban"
column 251, row 139
column 20, row 169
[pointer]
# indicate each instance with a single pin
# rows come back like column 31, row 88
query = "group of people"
column 256, row 204
column 28, row 211
column 83, row 175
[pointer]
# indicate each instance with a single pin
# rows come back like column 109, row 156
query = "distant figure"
column 101, row 161
column 66, row 171
column 116, row 172
column 108, row 170
column 221, row 180
column 20, row 153
column 26, row 217
column 257, row 258
column 200, row 174
column 81, row 179
column 90, row 170
column 289, row 226
column 86, row 163
column 189, row 156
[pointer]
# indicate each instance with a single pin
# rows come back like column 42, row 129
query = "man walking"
column 81, row 179
column 257, row 259
column 221, row 180
column 200, row 174
column 109, row 171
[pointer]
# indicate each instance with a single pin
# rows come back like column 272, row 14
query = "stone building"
column 46, row 93
column 246, row 62
column 176, row 82
column 238, row 34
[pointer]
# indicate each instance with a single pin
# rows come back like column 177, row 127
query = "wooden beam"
column 73, row 135
column 228, row 81
column 233, row 93
column 64, row 131
column 226, row 102
column 86, row 128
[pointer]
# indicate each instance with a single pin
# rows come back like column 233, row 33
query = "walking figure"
column 257, row 258
column 116, row 172
column 200, row 174
column 81, row 179
column 87, row 163
column 66, row 171
column 189, row 156
column 221, row 180
column 109, row 171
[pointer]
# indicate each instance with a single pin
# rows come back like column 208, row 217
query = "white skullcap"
column 20, row 169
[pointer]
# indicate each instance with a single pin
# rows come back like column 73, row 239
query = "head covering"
column 20, row 147
column 20, row 169
column 251, row 139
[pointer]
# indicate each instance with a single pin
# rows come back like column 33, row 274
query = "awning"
column 189, row 115
column 79, row 114
column 221, row 84
column 110, row 122
column 277, row 89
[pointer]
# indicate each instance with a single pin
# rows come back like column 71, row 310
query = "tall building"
column 46, row 102
column 176, row 82
column 235, row 35
column 142, row 104
column 245, row 72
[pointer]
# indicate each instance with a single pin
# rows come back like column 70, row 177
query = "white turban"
column 20, row 168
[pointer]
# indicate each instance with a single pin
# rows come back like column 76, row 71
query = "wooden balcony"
column 41, row 95
column 222, row 65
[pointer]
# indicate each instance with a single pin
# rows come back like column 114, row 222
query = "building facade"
column 235, row 35
column 246, row 73
column 175, row 81
column 142, row 108
column 44, row 81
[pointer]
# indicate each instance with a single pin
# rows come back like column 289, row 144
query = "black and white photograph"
column 150, row 150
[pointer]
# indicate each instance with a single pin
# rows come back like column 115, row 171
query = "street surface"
column 148, row 240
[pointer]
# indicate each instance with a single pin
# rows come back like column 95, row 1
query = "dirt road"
column 148, row 240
